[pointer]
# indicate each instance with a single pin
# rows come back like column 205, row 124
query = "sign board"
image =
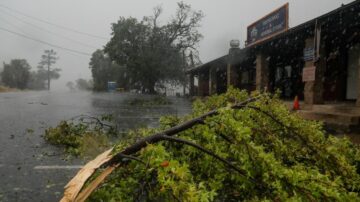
column 111, row 86
column 272, row 24
column 309, row 54
column 308, row 74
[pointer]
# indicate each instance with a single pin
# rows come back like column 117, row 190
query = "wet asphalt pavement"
column 27, row 171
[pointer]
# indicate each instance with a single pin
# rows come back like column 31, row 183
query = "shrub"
column 267, row 152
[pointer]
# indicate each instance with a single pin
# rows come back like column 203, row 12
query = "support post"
column 212, row 81
column 313, row 90
column 232, row 73
column 232, row 76
column 262, row 72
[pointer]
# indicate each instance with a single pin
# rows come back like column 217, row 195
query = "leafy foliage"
column 153, row 53
column 86, row 137
column 16, row 74
column 278, row 155
column 83, row 84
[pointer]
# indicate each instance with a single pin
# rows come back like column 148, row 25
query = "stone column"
column 262, row 72
column 212, row 81
column 313, row 90
column 203, row 83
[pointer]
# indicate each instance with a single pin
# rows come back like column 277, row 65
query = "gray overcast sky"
column 224, row 20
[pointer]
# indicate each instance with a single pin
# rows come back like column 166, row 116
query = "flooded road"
column 32, row 170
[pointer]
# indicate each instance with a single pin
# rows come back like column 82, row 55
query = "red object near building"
column 296, row 103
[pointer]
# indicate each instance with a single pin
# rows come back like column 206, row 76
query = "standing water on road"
column 31, row 169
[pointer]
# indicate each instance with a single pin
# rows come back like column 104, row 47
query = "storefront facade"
column 318, row 61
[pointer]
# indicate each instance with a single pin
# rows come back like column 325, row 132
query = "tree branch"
column 170, row 132
column 116, row 160
column 97, row 120
column 332, row 160
column 182, row 141
column 126, row 157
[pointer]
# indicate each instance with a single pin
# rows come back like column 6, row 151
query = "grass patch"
column 4, row 89
column 159, row 100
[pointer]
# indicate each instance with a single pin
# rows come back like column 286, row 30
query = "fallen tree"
column 231, row 148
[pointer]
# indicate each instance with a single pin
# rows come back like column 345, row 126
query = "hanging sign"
column 309, row 74
column 272, row 24
column 309, row 54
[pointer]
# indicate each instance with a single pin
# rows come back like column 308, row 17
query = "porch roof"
column 240, row 55
column 216, row 62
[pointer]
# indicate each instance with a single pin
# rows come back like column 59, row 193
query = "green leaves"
column 80, row 138
column 282, row 156
column 16, row 74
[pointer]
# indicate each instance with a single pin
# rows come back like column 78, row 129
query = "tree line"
column 18, row 74
column 146, row 54
column 80, row 84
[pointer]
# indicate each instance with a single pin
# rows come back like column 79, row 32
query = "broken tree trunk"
column 73, row 188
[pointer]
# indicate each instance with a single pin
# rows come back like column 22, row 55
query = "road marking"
column 58, row 167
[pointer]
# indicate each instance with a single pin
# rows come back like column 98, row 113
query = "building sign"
column 308, row 74
column 309, row 54
column 268, row 26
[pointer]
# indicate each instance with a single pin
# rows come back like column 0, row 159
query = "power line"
column 53, row 24
column 43, row 29
column 66, row 28
column 44, row 42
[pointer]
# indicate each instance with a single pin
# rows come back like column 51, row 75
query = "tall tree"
column 153, row 53
column 16, row 74
column 47, row 59
column 38, row 79
column 104, row 70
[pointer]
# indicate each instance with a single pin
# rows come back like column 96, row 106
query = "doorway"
column 352, row 81
column 221, row 81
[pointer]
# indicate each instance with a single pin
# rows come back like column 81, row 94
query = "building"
column 278, row 62
column 318, row 60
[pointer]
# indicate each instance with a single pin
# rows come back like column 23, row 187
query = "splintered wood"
column 73, row 188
